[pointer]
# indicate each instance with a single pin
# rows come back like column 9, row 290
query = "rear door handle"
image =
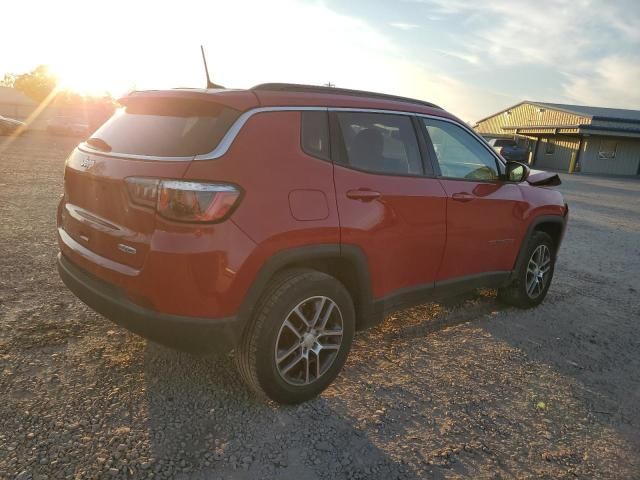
column 363, row 194
column 462, row 197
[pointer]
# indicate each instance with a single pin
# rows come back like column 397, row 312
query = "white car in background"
column 9, row 125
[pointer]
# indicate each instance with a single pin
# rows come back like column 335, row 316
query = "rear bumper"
column 187, row 333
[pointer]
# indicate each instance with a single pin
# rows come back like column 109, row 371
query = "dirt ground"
column 467, row 390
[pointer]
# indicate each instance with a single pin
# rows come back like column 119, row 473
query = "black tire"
column 255, row 356
column 517, row 293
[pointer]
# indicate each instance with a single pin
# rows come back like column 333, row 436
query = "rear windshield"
column 162, row 127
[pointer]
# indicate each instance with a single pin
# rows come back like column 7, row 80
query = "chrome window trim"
column 229, row 137
column 233, row 132
column 481, row 140
column 83, row 147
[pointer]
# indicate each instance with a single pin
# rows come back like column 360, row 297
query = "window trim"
column 499, row 163
column 234, row 130
column 550, row 141
column 469, row 130
column 614, row 153
column 423, row 146
column 339, row 149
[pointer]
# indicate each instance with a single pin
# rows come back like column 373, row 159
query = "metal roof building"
column 597, row 139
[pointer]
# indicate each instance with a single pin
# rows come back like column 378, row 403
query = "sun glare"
column 78, row 79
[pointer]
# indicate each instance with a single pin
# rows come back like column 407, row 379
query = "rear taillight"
column 185, row 201
column 143, row 191
column 195, row 201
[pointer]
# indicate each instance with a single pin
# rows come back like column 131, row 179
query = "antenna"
column 210, row 84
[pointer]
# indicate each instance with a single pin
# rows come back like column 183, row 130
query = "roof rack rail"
column 294, row 87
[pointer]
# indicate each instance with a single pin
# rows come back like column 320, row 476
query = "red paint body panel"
column 483, row 220
column 98, row 212
column 411, row 229
column 402, row 232
column 266, row 160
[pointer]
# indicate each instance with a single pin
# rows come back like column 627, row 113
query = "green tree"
column 37, row 84
column 8, row 80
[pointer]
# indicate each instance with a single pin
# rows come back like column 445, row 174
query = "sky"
column 473, row 58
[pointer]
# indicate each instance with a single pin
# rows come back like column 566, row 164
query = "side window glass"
column 459, row 154
column 315, row 133
column 380, row 142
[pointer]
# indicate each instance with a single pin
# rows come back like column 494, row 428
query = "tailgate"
column 97, row 211
column 152, row 137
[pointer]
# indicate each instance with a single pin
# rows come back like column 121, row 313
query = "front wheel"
column 533, row 278
column 299, row 337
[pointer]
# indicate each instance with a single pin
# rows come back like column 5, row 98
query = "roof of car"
column 288, row 94
column 314, row 89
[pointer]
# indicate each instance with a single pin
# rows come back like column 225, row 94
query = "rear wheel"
column 533, row 279
column 299, row 337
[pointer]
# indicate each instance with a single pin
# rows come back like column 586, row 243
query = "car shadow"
column 204, row 423
column 555, row 334
column 395, row 395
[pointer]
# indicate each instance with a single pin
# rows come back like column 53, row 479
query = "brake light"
column 185, row 201
column 143, row 191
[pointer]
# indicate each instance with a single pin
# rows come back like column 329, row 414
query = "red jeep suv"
column 279, row 220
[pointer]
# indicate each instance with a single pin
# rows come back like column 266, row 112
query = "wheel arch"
column 346, row 263
column 552, row 228
column 552, row 225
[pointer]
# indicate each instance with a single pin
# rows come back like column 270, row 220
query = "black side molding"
column 185, row 333
column 314, row 255
column 435, row 292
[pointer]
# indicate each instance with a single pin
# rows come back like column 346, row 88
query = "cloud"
column 593, row 44
column 467, row 101
column 467, row 57
column 615, row 82
column 404, row 26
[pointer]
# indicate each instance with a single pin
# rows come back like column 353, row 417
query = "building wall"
column 561, row 156
column 567, row 140
column 626, row 161
column 527, row 114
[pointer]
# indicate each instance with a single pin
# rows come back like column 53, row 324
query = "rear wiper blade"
column 99, row 144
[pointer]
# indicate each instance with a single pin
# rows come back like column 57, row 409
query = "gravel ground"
column 469, row 389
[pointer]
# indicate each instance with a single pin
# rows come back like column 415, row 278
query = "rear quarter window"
column 163, row 127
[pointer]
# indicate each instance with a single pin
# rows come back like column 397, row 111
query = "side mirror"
column 516, row 171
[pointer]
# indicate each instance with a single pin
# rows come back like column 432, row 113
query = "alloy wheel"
column 309, row 340
column 538, row 271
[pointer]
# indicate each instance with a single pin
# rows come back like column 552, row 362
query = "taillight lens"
column 185, row 201
column 195, row 201
column 143, row 191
